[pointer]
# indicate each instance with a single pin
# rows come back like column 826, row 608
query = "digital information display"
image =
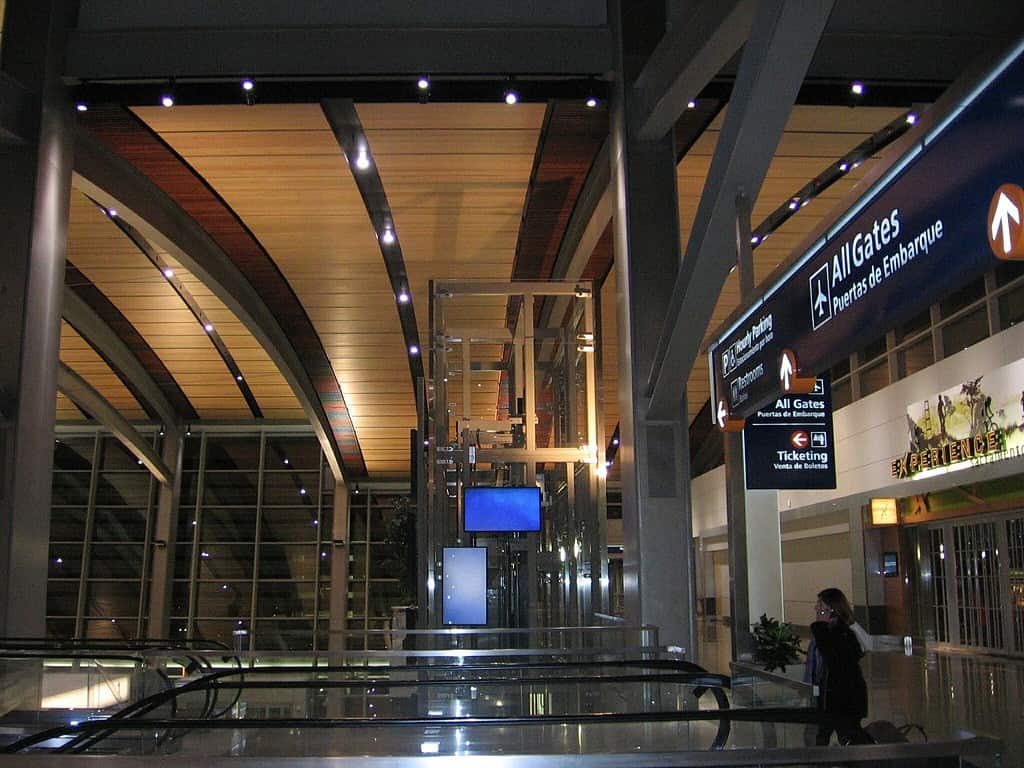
column 464, row 585
column 789, row 444
column 949, row 210
column 495, row 510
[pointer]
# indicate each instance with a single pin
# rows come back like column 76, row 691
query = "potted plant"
column 776, row 644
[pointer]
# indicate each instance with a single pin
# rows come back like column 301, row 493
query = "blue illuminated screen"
column 502, row 509
column 464, row 585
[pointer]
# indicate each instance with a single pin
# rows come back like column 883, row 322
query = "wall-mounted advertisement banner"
column 464, row 579
column 975, row 422
column 946, row 212
column 789, row 445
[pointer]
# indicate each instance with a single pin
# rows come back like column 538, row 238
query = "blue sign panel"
column 789, row 444
column 502, row 509
column 947, row 209
column 464, row 584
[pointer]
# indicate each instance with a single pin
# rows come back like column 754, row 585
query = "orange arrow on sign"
column 1006, row 222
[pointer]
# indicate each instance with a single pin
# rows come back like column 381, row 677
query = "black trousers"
column 847, row 730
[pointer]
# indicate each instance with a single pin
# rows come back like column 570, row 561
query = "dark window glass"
column 225, row 524
column 357, row 561
column 284, row 635
column 186, row 516
column 67, row 524
column 871, row 351
column 125, row 628
column 917, row 356
column 115, row 561
column 285, row 599
column 65, row 561
column 383, row 514
column 182, row 560
column 114, row 456
column 384, row 595
column 842, row 394
column 60, row 629
column 119, row 524
column 1011, row 307
column 61, row 598
column 914, row 325
column 282, row 524
column 73, row 454
column 964, row 331
column 287, row 561
column 324, row 596
column 232, row 452
column 123, row 489
column 179, row 629
column 384, row 560
column 962, row 297
column 218, row 631
column 226, row 561
column 1008, row 271
column 179, row 599
column 357, row 518
column 112, row 598
column 356, row 597
column 224, row 599
column 190, row 454
column 327, row 518
column 290, row 488
column 230, row 488
column 70, row 488
column 292, row 453
column 323, row 635
column 325, row 562
column 874, row 378
column 189, row 488
column 841, row 368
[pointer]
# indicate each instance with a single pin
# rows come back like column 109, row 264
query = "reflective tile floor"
column 943, row 691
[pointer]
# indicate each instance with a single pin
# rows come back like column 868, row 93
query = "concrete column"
column 653, row 455
column 164, row 534
column 34, row 201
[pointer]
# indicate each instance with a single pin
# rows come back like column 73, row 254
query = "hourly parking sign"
column 789, row 445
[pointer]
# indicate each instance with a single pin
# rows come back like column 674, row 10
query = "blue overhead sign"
column 944, row 214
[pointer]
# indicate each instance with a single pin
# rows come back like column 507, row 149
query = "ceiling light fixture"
column 248, row 84
column 911, row 118
column 362, row 159
column 167, row 100
column 755, row 239
column 423, row 83
column 413, row 349
column 112, row 213
column 208, row 327
column 691, row 104
column 388, row 238
column 844, row 166
column 592, row 102
column 794, row 204
column 238, row 377
column 403, row 298
column 168, row 273
column 511, row 96
column 81, row 107
column 857, row 88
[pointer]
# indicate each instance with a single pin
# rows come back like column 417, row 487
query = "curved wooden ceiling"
column 456, row 178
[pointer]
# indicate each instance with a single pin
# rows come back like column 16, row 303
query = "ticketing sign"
column 950, row 209
column 789, row 444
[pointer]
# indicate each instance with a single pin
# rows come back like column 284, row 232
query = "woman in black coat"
column 833, row 667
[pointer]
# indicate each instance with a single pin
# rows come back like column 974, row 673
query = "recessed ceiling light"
column 423, row 83
column 112, row 212
column 82, row 107
column 168, row 273
column 403, row 298
column 857, row 88
column 248, row 85
column 691, row 104
column 238, row 377
column 911, row 118
column 413, row 349
column 844, row 166
column 754, row 240
column 511, row 97
column 388, row 237
column 362, row 159
column 208, row 327
column 167, row 100
column 592, row 102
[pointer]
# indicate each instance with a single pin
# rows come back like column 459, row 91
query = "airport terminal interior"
column 504, row 381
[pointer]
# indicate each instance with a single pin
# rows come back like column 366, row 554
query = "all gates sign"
column 945, row 213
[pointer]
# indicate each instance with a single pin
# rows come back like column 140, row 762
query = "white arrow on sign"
column 723, row 414
column 786, row 371
column 1005, row 210
column 799, row 439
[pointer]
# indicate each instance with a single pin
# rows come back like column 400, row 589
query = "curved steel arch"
column 116, row 183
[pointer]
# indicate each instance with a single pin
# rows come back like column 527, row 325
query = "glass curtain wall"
column 252, row 554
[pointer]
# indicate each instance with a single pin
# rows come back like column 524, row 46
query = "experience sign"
column 949, row 210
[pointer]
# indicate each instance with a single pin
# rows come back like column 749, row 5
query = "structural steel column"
column 653, row 457
column 34, row 199
column 339, row 570
column 165, row 533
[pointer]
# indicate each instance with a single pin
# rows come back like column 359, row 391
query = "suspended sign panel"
column 946, row 213
column 789, row 444
column 465, row 586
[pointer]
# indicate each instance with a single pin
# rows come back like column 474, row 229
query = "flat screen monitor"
column 464, row 585
column 494, row 510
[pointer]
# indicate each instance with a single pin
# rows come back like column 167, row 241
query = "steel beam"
column 82, row 393
column 775, row 59
column 326, row 51
column 114, row 183
column 117, row 354
column 686, row 59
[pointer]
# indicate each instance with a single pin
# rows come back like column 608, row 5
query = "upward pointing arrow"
column 1005, row 210
column 786, row 371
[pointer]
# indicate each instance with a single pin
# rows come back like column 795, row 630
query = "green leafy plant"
column 777, row 644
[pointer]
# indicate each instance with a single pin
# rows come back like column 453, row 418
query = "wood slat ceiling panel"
column 281, row 171
column 456, row 178
column 120, row 271
column 814, row 137
column 76, row 353
column 68, row 411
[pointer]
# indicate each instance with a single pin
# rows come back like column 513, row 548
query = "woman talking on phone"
column 833, row 667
